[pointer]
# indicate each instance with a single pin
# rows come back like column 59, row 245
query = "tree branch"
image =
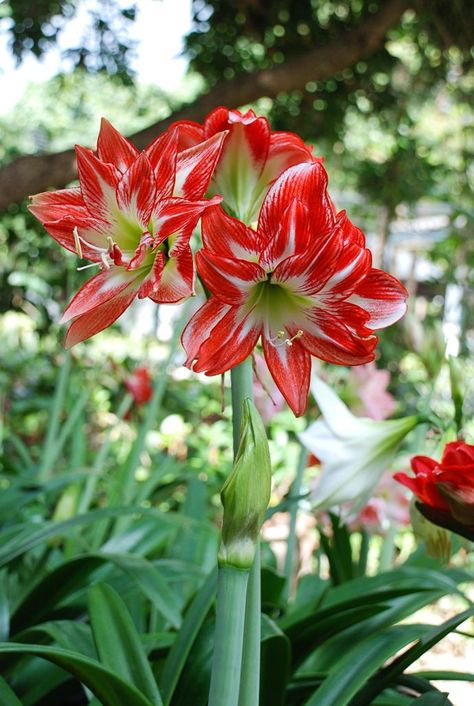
column 34, row 173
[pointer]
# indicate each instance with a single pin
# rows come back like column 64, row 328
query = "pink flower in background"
column 371, row 385
column 268, row 398
column 139, row 385
column 388, row 507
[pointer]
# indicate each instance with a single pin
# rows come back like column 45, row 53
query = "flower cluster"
column 280, row 265
column 445, row 489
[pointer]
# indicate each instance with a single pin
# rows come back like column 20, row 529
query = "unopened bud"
column 246, row 492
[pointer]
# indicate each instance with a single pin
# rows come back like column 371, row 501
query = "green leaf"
column 4, row 607
column 431, row 698
column 50, row 590
column 275, row 664
column 359, row 663
column 109, row 688
column 117, row 641
column 442, row 675
column 69, row 634
column 7, row 695
column 152, row 583
column 192, row 623
column 17, row 540
column 431, row 635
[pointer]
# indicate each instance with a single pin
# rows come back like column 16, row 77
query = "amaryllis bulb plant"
column 282, row 270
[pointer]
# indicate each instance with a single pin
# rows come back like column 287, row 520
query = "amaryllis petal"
column 285, row 150
column 329, row 338
column 53, row 205
column 195, row 167
column 99, row 318
column 92, row 234
column 115, row 148
column 199, row 327
column 97, row 291
column 240, row 241
column 383, row 296
column 231, row 278
column 98, row 183
column 175, row 215
column 229, row 343
column 292, row 237
column 350, row 233
column 352, row 267
column 162, row 154
column 136, row 191
column 290, row 366
column 189, row 134
column 177, row 279
column 152, row 280
column 307, row 273
column 306, row 182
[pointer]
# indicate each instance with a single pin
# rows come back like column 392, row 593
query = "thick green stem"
column 242, row 388
column 250, row 674
column 228, row 641
column 295, row 491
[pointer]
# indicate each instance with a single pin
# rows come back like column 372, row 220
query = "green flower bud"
column 246, row 492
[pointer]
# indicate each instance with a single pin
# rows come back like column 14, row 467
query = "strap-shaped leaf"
column 118, row 642
column 192, row 623
column 7, row 695
column 108, row 686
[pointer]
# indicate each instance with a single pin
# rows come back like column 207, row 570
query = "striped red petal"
column 352, row 267
column 177, row 279
column 306, row 182
column 229, row 237
column 195, row 167
column 290, row 366
column 100, row 289
column 92, row 232
column 247, row 131
column 285, row 150
column 292, row 237
column 115, row 148
column 98, row 183
column 178, row 217
column 330, row 338
column 230, row 279
column 162, row 155
column 229, row 343
column 136, row 191
column 99, row 318
column 189, row 133
column 383, row 296
column 53, row 205
column 199, row 327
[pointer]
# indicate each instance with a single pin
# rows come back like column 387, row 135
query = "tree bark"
column 31, row 174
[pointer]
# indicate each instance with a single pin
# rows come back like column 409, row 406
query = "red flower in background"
column 303, row 282
column 252, row 158
column 445, row 488
column 132, row 215
column 139, row 384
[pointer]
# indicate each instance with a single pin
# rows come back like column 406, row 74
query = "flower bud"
column 437, row 539
column 246, row 492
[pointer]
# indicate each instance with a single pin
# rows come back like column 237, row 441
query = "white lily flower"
column 353, row 451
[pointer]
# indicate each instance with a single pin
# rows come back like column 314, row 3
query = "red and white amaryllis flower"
column 303, row 282
column 252, row 158
column 132, row 215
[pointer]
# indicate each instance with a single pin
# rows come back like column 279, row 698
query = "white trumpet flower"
column 353, row 451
